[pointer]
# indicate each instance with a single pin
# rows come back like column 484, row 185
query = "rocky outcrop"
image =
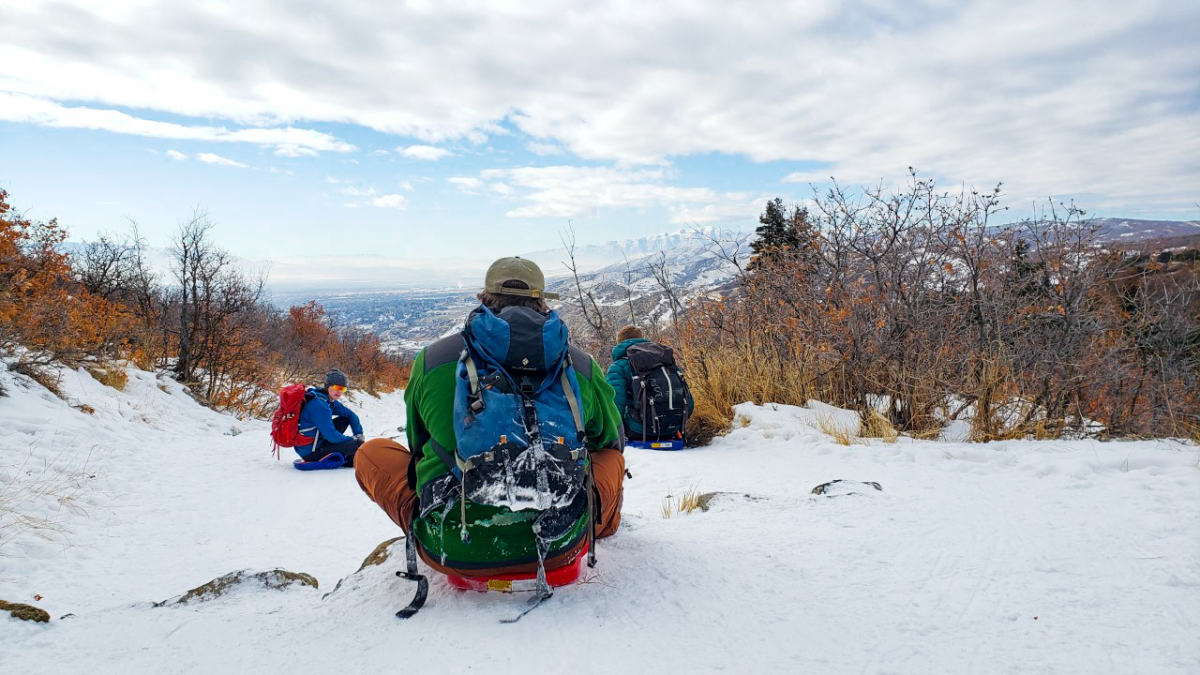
column 276, row 579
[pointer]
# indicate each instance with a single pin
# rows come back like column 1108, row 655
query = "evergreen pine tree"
column 783, row 235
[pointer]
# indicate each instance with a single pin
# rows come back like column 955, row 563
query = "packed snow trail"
column 1017, row 557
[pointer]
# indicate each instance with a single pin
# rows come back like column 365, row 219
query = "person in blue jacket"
column 325, row 419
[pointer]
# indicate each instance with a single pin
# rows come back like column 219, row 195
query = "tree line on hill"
column 207, row 321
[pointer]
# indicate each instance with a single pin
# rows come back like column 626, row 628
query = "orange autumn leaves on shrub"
column 41, row 306
column 231, row 347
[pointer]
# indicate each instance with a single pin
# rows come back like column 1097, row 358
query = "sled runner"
column 333, row 460
column 672, row 444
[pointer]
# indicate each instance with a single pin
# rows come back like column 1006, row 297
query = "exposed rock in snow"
column 25, row 612
column 276, row 579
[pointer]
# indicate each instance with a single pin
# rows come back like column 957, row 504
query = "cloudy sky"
column 426, row 130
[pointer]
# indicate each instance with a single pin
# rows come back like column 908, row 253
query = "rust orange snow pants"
column 381, row 466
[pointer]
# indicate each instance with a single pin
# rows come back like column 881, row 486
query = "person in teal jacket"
column 620, row 377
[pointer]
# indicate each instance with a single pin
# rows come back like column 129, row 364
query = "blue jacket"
column 620, row 376
column 316, row 419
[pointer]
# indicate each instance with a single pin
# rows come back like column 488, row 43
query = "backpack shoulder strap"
column 445, row 350
column 440, row 353
column 581, row 360
column 576, row 413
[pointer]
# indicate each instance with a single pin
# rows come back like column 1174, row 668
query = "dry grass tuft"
column 686, row 503
column 62, row 479
column 722, row 378
column 830, row 427
column 111, row 376
column 878, row 426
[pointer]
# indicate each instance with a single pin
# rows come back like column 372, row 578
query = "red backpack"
column 285, row 424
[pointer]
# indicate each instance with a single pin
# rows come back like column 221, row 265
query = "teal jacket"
column 620, row 377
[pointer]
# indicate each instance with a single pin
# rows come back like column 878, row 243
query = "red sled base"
column 517, row 583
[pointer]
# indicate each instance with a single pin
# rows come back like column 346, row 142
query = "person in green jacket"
column 620, row 378
column 396, row 478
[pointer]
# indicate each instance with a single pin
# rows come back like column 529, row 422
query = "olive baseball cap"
column 517, row 269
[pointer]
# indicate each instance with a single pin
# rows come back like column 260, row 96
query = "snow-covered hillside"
column 1014, row 557
column 682, row 244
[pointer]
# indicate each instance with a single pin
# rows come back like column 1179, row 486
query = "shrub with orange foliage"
column 314, row 344
column 108, row 305
column 42, row 308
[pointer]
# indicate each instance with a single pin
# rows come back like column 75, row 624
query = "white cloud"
column 544, row 149
column 176, row 155
column 426, row 152
column 731, row 207
column 390, row 202
column 210, row 158
column 287, row 141
column 331, row 180
column 380, row 152
column 578, row 191
column 466, row 183
column 358, row 192
column 295, row 151
column 1096, row 97
column 352, row 205
column 406, row 186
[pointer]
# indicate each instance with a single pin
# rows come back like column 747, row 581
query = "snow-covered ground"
column 1016, row 557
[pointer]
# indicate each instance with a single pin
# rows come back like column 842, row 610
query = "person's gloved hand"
column 359, row 438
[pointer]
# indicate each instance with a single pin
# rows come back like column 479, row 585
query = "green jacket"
column 620, row 378
column 429, row 398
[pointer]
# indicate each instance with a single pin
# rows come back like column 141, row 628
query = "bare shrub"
column 918, row 296
column 42, row 374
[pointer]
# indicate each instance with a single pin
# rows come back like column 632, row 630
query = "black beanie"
column 336, row 377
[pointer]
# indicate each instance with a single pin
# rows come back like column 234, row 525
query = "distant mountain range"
column 1126, row 230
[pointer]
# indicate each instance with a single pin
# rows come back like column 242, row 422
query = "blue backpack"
column 517, row 419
